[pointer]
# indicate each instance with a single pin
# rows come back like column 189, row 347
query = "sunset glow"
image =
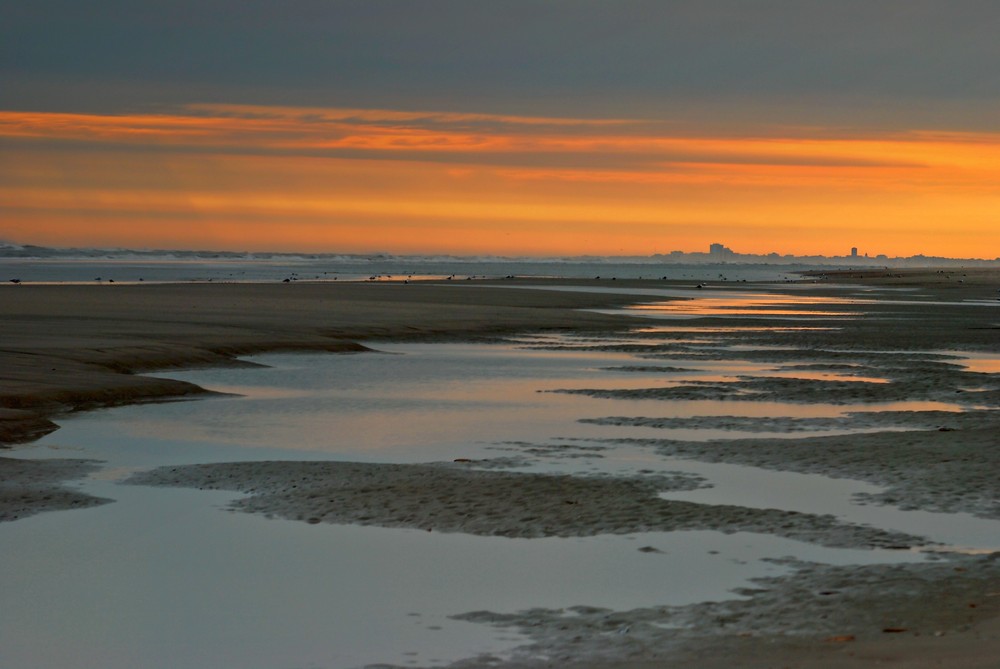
column 502, row 128
column 381, row 180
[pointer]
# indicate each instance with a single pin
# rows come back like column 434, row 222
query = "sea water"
column 170, row 577
column 95, row 267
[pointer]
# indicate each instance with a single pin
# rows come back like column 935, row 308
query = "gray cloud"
column 921, row 62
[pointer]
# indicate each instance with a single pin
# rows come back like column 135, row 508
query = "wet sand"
column 28, row 487
column 71, row 347
column 455, row 497
column 68, row 348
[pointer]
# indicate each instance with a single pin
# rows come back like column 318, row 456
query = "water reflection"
column 432, row 401
column 980, row 363
column 750, row 304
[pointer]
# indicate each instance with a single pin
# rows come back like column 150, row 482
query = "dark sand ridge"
column 69, row 348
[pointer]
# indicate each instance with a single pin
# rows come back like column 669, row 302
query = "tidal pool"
column 169, row 577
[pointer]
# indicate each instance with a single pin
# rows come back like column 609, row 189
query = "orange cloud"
column 357, row 180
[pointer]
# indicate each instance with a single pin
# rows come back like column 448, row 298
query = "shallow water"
column 166, row 578
column 167, row 267
column 980, row 363
column 423, row 402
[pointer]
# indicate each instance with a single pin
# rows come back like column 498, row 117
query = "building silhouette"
column 719, row 251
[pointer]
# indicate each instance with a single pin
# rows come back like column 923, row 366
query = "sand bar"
column 456, row 497
column 67, row 347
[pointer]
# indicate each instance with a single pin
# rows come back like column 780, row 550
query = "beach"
column 907, row 342
column 70, row 346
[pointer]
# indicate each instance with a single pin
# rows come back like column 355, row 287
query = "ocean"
column 125, row 268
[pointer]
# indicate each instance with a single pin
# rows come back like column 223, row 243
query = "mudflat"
column 67, row 348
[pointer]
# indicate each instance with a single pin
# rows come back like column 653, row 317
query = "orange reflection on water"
column 980, row 363
column 741, row 328
column 823, row 376
column 759, row 304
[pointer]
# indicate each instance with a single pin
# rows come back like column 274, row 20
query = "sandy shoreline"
column 71, row 347
column 66, row 348
column 74, row 346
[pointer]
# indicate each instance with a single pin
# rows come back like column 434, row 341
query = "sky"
column 560, row 127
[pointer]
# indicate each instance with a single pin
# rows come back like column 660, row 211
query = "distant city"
column 720, row 253
column 717, row 253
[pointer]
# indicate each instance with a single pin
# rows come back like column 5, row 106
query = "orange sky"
column 367, row 180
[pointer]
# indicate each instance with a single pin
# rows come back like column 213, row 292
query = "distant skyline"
column 565, row 127
column 715, row 254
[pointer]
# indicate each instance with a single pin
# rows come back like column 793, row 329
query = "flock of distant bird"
column 96, row 278
column 378, row 277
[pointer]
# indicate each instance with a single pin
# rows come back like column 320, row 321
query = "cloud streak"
column 431, row 181
column 438, row 136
